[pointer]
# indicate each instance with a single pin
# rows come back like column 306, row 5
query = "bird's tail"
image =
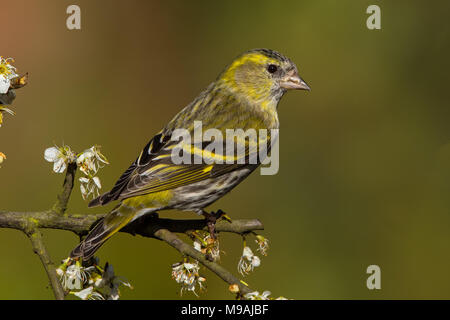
column 103, row 230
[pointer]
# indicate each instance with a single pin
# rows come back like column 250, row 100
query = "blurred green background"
column 364, row 157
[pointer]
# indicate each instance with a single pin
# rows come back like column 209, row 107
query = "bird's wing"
column 154, row 170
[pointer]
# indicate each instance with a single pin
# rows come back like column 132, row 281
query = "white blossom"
column 89, row 162
column 263, row 244
column 4, row 84
column 186, row 274
column 73, row 276
column 207, row 245
column 255, row 295
column 88, row 294
column 89, row 186
column 7, row 72
column 248, row 261
column 60, row 156
column 201, row 283
column 90, row 282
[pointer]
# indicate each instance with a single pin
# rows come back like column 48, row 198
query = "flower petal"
column 97, row 182
column 247, row 253
column 83, row 191
column 59, row 166
column 84, row 294
column 84, row 180
column 51, row 154
column 256, row 262
column 4, row 84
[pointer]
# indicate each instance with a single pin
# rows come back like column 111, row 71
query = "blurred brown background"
column 365, row 156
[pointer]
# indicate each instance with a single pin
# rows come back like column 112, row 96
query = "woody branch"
column 148, row 226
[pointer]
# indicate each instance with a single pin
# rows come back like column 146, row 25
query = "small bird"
column 244, row 96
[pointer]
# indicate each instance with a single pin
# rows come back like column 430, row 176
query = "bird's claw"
column 211, row 219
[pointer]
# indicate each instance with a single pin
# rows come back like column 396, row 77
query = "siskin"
column 244, row 96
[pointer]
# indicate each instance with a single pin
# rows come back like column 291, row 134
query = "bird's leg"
column 211, row 219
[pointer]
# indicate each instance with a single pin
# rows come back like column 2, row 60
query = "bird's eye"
column 272, row 68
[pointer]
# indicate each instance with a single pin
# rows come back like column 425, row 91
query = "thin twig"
column 60, row 205
column 39, row 248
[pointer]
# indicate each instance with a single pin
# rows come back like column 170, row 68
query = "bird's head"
column 262, row 75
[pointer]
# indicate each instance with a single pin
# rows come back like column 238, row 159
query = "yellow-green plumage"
column 244, row 96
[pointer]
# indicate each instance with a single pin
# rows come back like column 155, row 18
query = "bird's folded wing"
column 154, row 170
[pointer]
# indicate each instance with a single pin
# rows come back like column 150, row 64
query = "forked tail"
column 103, row 230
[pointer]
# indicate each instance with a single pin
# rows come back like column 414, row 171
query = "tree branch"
column 60, row 205
column 150, row 226
column 39, row 248
column 146, row 226
column 184, row 248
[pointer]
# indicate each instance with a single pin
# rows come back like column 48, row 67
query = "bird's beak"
column 293, row 81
